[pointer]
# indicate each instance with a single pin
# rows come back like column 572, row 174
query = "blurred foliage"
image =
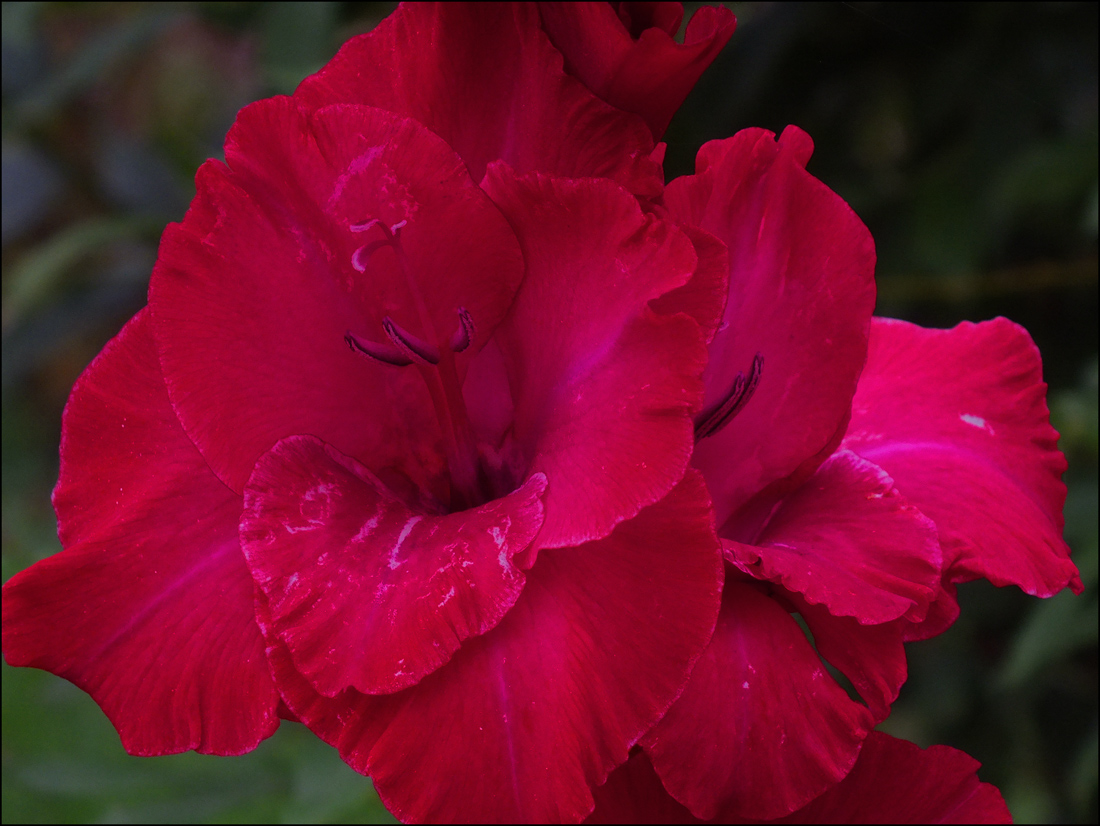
column 965, row 136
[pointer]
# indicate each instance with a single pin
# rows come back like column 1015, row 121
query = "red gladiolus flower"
column 400, row 440
column 838, row 450
column 445, row 412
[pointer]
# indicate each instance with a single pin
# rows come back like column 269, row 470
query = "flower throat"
column 434, row 362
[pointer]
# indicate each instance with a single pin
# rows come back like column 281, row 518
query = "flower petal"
column 704, row 296
column 871, row 656
column 959, row 419
column 893, row 781
column 526, row 718
column 759, row 712
column 486, row 79
column 364, row 591
column 848, row 540
column 605, row 388
column 634, row 63
column 633, row 794
column 801, row 296
column 254, row 292
column 149, row 607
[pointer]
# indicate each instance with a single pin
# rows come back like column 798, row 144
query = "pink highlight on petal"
column 983, row 438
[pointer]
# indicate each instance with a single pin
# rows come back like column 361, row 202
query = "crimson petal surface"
column 525, row 719
column 848, row 540
column 254, row 292
column 959, row 419
column 364, row 591
column 801, row 295
column 893, row 781
column 759, row 712
column 635, row 64
column 485, row 78
column 604, row 386
column 149, row 607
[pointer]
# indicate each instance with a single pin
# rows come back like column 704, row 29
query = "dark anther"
column 415, row 348
column 462, row 337
column 380, row 352
column 720, row 416
column 407, row 348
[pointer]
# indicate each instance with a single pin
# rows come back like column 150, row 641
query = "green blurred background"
column 964, row 135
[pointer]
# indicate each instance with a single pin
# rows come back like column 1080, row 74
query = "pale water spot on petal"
column 401, row 537
column 446, row 598
column 382, row 589
column 976, row 421
column 366, row 530
column 315, row 508
column 500, row 535
column 745, row 685
column 354, row 168
column 309, row 526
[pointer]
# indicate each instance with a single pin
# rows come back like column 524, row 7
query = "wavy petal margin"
column 959, row 419
column 525, row 719
column 364, row 591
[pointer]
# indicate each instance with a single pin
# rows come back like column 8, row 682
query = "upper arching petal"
column 364, row 591
column 959, row 419
column 485, row 77
column 525, row 719
column 323, row 224
column 801, row 296
column 628, row 56
column 149, row 607
column 604, row 387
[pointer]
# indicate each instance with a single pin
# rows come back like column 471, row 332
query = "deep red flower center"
column 435, row 363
